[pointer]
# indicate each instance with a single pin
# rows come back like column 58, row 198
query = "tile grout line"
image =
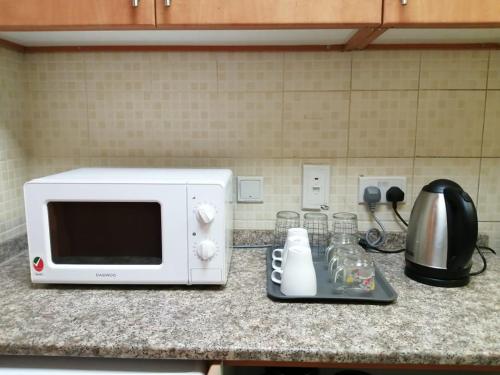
column 26, row 118
column 291, row 158
column 87, row 109
column 484, row 127
column 416, row 128
column 282, row 133
column 348, row 150
column 217, row 73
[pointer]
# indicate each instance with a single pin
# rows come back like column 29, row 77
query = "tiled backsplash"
column 420, row 114
column 13, row 160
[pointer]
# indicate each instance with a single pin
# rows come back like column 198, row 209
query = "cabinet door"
column 227, row 14
column 75, row 14
column 442, row 13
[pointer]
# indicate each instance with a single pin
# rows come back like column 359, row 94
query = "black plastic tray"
column 384, row 293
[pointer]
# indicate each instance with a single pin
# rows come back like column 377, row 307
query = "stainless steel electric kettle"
column 442, row 235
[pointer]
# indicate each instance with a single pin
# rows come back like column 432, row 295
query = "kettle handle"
column 462, row 227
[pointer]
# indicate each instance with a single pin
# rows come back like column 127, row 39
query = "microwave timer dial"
column 206, row 250
column 205, row 213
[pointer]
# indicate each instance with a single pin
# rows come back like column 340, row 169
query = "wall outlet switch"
column 250, row 189
column 383, row 183
column 315, row 187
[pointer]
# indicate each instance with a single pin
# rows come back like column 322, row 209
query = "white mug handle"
column 274, row 278
column 275, row 264
column 280, row 257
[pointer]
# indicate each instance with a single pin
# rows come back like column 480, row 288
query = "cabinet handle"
column 135, row 3
column 168, row 3
column 404, row 2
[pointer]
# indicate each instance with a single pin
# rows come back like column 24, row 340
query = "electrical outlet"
column 315, row 186
column 383, row 183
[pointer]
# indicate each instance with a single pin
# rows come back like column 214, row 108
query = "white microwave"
column 130, row 226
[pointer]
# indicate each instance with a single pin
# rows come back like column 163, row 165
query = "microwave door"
column 105, row 233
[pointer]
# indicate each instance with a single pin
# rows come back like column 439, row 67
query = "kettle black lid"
column 438, row 186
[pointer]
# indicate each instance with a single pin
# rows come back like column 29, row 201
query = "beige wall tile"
column 12, row 105
column 464, row 171
column 454, row 69
column 186, row 71
column 250, row 71
column 378, row 167
column 491, row 137
column 127, row 162
column 249, row 124
column 122, row 123
column 385, row 70
column 450, row 123
column 13, row 174
column 315, row 124
column 317, row 71
column 489, row 190
column 11, row 142
column 56, row 71
column 291, row 187
column 494, row 70
column 382, row 123
column 186, row 126
column 390, row 225
column 57, row 125
column 12, row 67
column 118, row 71
column 158, row 162
column 12, row 110
column 13, row 158
column 493, row 232
column 44, row 166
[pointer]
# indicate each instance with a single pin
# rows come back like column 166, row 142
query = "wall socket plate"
column 315, row 186
column 383, row 183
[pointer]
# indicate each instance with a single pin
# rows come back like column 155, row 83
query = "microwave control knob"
column 206, row 213
column 206, row 250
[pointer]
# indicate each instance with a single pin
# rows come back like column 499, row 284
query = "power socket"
column 315, row 186
column 383, row 183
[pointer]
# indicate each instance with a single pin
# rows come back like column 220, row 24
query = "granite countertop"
column 426, row 325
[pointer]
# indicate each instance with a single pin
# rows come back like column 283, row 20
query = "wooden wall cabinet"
column 260, row 14
column 76, row 14
column 359, row 23
column 442, row 13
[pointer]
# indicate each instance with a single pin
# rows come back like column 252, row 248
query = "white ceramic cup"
column 301, row 232
column 291, row 235
column 280, row 255
column 298, row 277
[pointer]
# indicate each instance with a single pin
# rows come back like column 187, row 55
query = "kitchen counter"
column 426, row 325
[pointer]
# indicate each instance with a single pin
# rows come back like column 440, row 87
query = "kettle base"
column 426, row 275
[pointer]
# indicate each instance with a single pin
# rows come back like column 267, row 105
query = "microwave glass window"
column 105, row 232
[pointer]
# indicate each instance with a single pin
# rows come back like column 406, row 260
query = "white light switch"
column 250, row 189
column 315, row 186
